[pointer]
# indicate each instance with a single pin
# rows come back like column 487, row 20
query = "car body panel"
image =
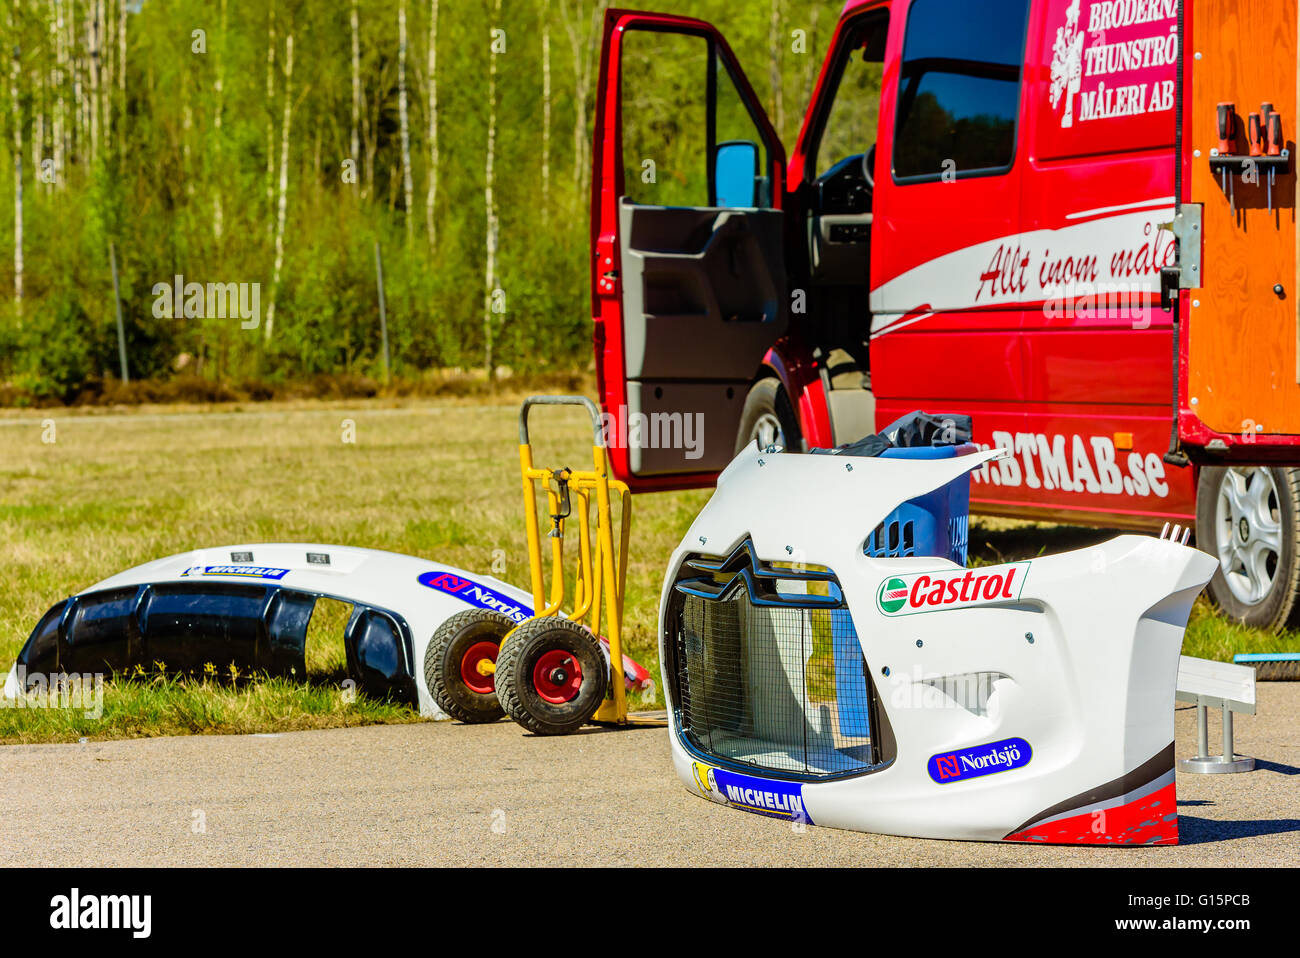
column 417, row 594
column 1083, row 655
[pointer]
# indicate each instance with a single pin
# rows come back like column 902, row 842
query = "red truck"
column 1073, row 220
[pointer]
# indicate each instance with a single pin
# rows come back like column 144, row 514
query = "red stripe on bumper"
column 1150, row 820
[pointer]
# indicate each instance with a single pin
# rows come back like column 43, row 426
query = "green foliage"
column 184, row 178
column 56, row 351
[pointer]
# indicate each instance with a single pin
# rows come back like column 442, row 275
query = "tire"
column 1248, row 517
column 768, row 417
column 459, row 689
column 536, row 680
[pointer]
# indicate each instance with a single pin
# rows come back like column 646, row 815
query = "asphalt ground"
column 444, row 794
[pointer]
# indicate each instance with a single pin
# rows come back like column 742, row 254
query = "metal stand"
column 1204, row 762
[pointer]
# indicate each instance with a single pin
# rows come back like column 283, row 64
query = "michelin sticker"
column 957, row 589
column 467, row 590
column 967, row 763
column 242, row 571
column 770, row 797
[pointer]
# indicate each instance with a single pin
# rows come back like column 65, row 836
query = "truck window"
column 678, row 102
column 850, row 127
column 959, row 88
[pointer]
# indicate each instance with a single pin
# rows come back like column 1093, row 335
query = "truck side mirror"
column 735, row 173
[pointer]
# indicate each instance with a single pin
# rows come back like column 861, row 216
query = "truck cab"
column 1025, row 211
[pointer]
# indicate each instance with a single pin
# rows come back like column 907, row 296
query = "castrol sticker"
column 956, row 589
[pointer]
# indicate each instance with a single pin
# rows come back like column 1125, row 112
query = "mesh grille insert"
column 775, row 687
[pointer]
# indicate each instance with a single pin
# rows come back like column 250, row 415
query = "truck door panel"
column 707, row 277
column 1067, row 367
column 898, row 374
column 947, row 198
column 688, row 278
column 1095, row 345
column 946, row 263
column 700, row 302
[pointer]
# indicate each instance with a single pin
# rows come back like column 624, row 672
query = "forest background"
column 277, row 144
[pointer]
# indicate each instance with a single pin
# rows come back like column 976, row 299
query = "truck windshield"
column 850, row 127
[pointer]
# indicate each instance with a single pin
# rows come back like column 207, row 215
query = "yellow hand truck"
column 549, row 672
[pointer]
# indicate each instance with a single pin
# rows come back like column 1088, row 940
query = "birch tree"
column 37, row 84
column 57, row 133
column 16, row 121
column 355, row 142
column 80, row 116
column 408, row 193
column 218, row 89
column 92, row 52
column 103, row 43
column 106, row 74
column 283, row 204
column 270, row 117
column 431, row 196
column 546, row 111
column 121, row 68
column 489, row 202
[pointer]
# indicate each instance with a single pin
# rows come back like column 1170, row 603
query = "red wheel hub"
column 475, row 669
column 557, row 677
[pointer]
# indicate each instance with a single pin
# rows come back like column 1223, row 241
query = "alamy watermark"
column 77, row 910
column 59, row 690
column 932, row 690
column 1130, row 301
column 656, row 430
column 179, row 299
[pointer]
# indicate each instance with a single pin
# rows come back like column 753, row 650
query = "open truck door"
column 1239, row 376
column 688, row 273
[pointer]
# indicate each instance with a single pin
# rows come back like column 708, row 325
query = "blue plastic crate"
column 935, row 524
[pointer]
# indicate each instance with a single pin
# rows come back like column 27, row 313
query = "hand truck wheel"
column 460, row 662
column 551, row 675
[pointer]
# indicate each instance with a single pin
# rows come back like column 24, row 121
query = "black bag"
column 907, row 432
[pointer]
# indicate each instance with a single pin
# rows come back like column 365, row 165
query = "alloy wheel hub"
column 1249, row 532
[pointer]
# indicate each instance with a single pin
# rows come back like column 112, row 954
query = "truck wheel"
column 454, row 664
column 769, row 418
column 551, row 676
column 1248, row 517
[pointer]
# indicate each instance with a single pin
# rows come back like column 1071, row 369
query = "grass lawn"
column 435, row 479
column 430, row 479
